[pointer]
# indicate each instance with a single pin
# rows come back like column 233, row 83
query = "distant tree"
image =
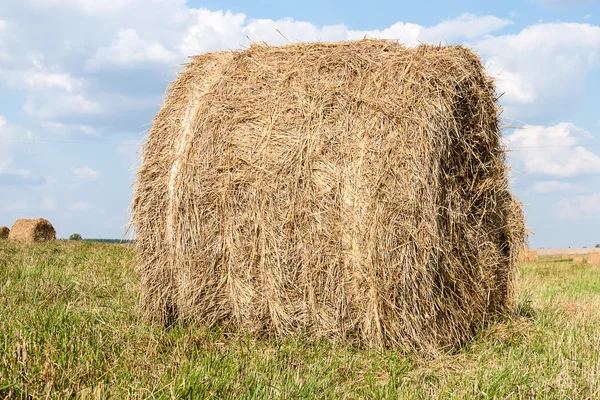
column 75, row 236
column 598, row 246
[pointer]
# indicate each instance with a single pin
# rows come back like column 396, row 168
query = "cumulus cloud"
column 128, row 49
column 12, row 137
column 85, row 174
column 466, row 26
column 88, row 6
column 543, row 68
column 555, row 150
column 37, row 79
column 554, row 186
column 65, row 129
column 580, row 207
column 64, row 105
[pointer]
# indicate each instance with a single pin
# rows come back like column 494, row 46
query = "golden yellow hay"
column 528, row 255
column 4, row 231
column 593, row 258
column 578, row 259
column 355, row 191
column 32, row 230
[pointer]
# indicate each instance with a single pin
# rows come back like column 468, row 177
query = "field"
column 69, row 327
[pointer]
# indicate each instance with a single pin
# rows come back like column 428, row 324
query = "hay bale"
column 528, row 255
column 593, row 258
column 356, row 191
column 32, row 230
column 578, row 260
column 4, row 231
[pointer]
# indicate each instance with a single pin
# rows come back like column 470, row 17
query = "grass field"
column 69, row 327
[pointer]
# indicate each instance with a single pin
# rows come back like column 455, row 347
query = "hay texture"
column 528, row 255
column 32, row 230
column 354, row 191
column 593, row 258
column 4, row 231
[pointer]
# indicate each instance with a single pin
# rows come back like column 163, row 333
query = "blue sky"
column 80, row 81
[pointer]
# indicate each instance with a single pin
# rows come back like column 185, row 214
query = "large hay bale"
column 593, row 258
column 4, row 231
column 32, row 230
column 351, row 190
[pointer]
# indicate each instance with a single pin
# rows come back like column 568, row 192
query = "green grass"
column 69, row 327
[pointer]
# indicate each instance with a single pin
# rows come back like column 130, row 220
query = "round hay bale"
column 578, row 260
column 593, row 258
column 32, row 230
column 528, row 255
column 355, row 191
column 4, row 231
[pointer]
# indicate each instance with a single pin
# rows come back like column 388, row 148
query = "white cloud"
column 65, row 129
column 56, row 106
column 211, row 30
column 554, row 186
column 554, row 150
column 467, row 26
column 542, row 66
column 37, row 80
column 12, row 137
column 79, row 206
column 580, row 207
column 88, row 6
column 85, row 174
column 128, row 49
column 48, row 204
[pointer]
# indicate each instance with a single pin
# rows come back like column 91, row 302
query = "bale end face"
column 32, row 231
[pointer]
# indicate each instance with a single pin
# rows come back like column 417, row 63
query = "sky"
column 81, row 80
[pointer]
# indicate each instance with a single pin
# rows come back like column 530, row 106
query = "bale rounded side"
column 32, row 230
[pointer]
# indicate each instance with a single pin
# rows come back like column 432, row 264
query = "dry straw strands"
column 4, row 231
column 355, row 191
column 32, row 230
column 593, row 258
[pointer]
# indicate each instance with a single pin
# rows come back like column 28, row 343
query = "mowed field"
column 70, row 327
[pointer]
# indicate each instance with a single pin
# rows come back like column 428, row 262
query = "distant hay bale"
column 32, row 230
column 578, row 260
column 528, row 255
column 593, row 258
column 354, row 191
column 4, row 231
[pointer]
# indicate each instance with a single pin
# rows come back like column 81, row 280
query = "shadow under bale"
column 356, row 191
